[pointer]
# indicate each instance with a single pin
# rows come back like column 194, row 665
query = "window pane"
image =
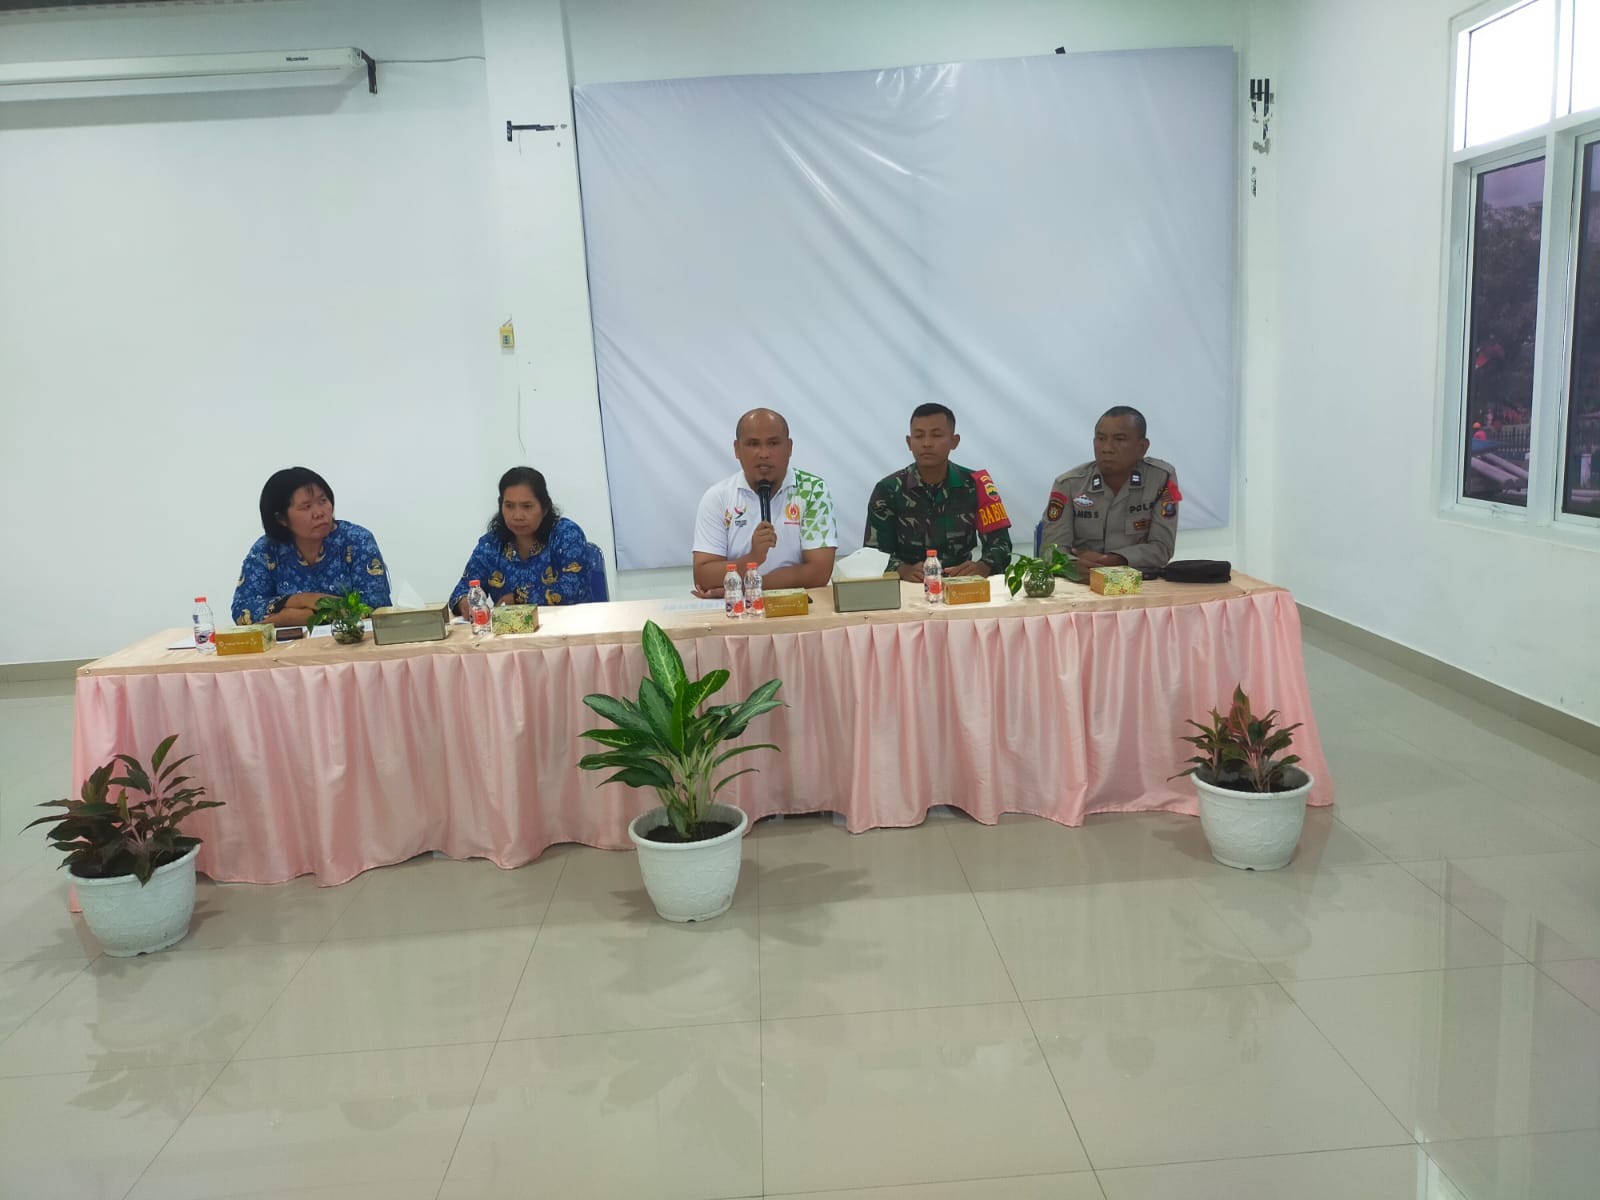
column 1505, row 301
column 1511, row 65
column 1583, row 404
column 1586, row 56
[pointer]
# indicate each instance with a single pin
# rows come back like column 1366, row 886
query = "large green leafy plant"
column 104, row 835
column 1242, row 751
column 664, row 741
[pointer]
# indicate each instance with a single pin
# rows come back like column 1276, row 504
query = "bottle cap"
column 473, row 583
column 199, row 599
column 933, row 554
column 733, row 566
column 750, row 566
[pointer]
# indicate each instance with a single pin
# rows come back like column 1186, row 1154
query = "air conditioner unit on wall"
column 180, row 66
column 36, row 7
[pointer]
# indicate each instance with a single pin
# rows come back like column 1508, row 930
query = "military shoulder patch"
column 991, row 509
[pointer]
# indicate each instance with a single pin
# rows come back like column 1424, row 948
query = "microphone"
column 764, row 490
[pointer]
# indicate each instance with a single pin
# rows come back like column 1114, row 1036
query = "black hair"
column 276, row 494
column 1122, row 410
column 934, row 410
column 526, row 477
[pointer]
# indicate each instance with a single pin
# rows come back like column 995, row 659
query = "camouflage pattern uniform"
column 906, row 518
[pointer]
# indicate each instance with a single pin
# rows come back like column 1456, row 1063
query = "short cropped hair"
column 934, row 410
column 1122, row 410
column 738, row 426
column 541, row 492
column 275, row 496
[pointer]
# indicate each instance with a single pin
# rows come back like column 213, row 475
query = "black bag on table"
column 1198, row 570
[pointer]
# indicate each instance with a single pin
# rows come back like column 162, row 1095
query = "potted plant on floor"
column 1037, row 576
column 689, row 846
column 131, row 863
column 345, row 614
column 1252, row 795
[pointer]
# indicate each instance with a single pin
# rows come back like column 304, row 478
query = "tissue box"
column 866, row 595
column 394, row 626
column 967, row 589
column 786, row 602
column 1114, row 581
column 245, row 639
column 514, row 618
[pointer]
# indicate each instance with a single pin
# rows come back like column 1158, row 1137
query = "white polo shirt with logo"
column 802, row 513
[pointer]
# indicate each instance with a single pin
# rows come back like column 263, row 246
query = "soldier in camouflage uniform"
column 936, row 505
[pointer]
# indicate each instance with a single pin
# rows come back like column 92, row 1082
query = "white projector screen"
column 1028, row 241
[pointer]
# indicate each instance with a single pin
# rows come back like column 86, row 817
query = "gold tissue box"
column 1115, row 581
column 786, row 602
column 245, row 639
column 514, row 618
column 967, row 589
column 395, row 626
column 866, row 595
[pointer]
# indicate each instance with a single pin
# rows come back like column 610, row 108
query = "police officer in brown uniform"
column 1122, row 508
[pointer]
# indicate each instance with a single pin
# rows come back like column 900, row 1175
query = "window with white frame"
column 1523, row 385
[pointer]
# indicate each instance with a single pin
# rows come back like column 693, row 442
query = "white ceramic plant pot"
column 1254, row 831
column 691, row 881
column 127, row 919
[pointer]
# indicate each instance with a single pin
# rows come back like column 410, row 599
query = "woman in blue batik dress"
column 531, row 554
column 304, row 555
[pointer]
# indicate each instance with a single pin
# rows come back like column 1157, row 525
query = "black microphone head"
column 764, row 490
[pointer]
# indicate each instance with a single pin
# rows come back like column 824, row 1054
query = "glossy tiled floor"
column 1411, row 1010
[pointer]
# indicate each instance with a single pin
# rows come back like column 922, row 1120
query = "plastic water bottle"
column 933, row 578
column 205, row 629
column 479, row 607
column 754, row 605
column 733, row 592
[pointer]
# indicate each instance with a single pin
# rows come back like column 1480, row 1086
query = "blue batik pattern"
column 274, row 571
column 555, row 575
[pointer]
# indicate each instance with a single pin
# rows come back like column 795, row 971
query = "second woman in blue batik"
column 531, row 553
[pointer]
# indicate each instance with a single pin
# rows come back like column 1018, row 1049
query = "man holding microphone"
column 780, row 520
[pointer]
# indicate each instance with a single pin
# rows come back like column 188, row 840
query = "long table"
column 335, row 759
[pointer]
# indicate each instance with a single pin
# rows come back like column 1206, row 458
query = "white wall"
column 200, row 288
column 1361, row 177
column 254, row 275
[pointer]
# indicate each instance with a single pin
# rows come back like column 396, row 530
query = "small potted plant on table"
column 689, row 846
column 131, row 863
column 1036, row 577
column 345, row 614
column 1252, row 795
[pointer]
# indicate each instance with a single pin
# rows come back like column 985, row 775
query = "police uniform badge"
column 1058, row 505
column 1170, row 497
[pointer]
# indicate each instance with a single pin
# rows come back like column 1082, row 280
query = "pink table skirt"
column 333, row 769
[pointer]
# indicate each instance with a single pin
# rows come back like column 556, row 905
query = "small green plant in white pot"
column 1252, row 795
column 131, row 862
column 689, row 846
